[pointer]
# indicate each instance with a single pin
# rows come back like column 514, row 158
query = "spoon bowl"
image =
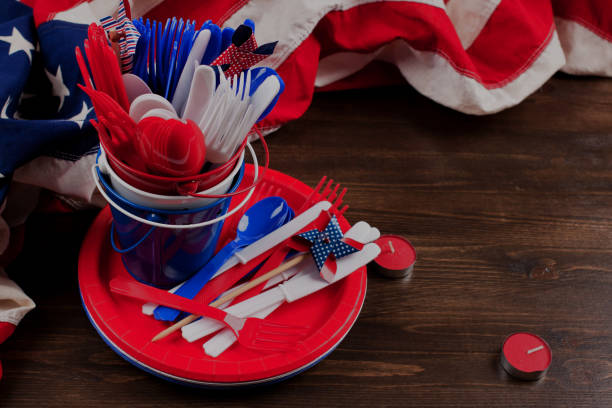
column 146, row 102
column 134, row 86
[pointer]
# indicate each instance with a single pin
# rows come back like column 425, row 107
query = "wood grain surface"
column 511, row 216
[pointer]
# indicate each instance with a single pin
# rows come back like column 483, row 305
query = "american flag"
column 474, row 56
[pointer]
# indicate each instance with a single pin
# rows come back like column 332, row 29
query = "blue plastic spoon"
column 258, row 221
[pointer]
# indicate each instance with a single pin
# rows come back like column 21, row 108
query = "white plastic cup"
column 164, row 202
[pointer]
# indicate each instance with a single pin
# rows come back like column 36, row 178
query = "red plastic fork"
column 122, row 129
column 253, row 333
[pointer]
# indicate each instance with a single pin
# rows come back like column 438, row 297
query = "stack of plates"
column 329, row 314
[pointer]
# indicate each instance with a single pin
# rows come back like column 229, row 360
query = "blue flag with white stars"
column 42, row 111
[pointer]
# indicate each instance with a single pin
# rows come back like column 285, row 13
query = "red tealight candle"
column 526, row 356
column 397, row 256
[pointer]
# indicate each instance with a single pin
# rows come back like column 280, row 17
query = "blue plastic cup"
column 164, row 256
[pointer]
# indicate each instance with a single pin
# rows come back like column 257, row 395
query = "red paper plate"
column 329, row 314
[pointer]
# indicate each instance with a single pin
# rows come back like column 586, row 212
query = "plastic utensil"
column 104, row 65
column 264, row 95
column 144, row 103
column 135, row 86
column 187, row 40
column 264, row 190
column 309, row 280
column 122, row 129
column 251, row 332
column 304, row 283
column 171, row 69
column 259, row 75
column 187, row 75
column 226, row 38
column 141, row 55
column 159, row 113
column 214, row 45
column 171, row 147
column 287, row 265
column 258, row 221
column 83, row 68
column 360, row 232
column 200, row 94
column 227, row 124
column 223, row 125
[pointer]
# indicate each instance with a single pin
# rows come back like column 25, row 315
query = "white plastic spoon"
column 200, row 94
column 160, row 113
column 135, row 86
column 145, row 103
column 193, row 60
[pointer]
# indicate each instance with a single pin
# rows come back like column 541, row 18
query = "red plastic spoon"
column 171, row 147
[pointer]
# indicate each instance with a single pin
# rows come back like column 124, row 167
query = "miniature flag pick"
column 243, row 53
column 328, row 242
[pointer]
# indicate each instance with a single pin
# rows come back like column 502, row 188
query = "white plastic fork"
column 225, row 135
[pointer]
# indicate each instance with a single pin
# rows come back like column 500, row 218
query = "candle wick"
column 533, row 350
column 391, row 247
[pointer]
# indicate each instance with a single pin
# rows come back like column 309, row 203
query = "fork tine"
column 265, row 335
column 336, row 189
column 313, row 195
column 338, row 200
column 341, row 212
column 331, row 198
column 320, row 184
column 327, row 189
column 341, row 196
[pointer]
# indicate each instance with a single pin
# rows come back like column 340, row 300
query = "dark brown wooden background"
column 511, row 215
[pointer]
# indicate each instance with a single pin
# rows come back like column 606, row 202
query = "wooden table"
column 511, row 215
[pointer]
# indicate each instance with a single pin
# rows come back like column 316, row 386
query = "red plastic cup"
column 164, row 185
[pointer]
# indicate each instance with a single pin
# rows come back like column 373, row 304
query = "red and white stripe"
column 127, row 45
column 475, row 56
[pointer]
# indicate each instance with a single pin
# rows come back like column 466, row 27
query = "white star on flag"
column 59, row 89
column 80, row 117
column 18, row 43
column 4, row 115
